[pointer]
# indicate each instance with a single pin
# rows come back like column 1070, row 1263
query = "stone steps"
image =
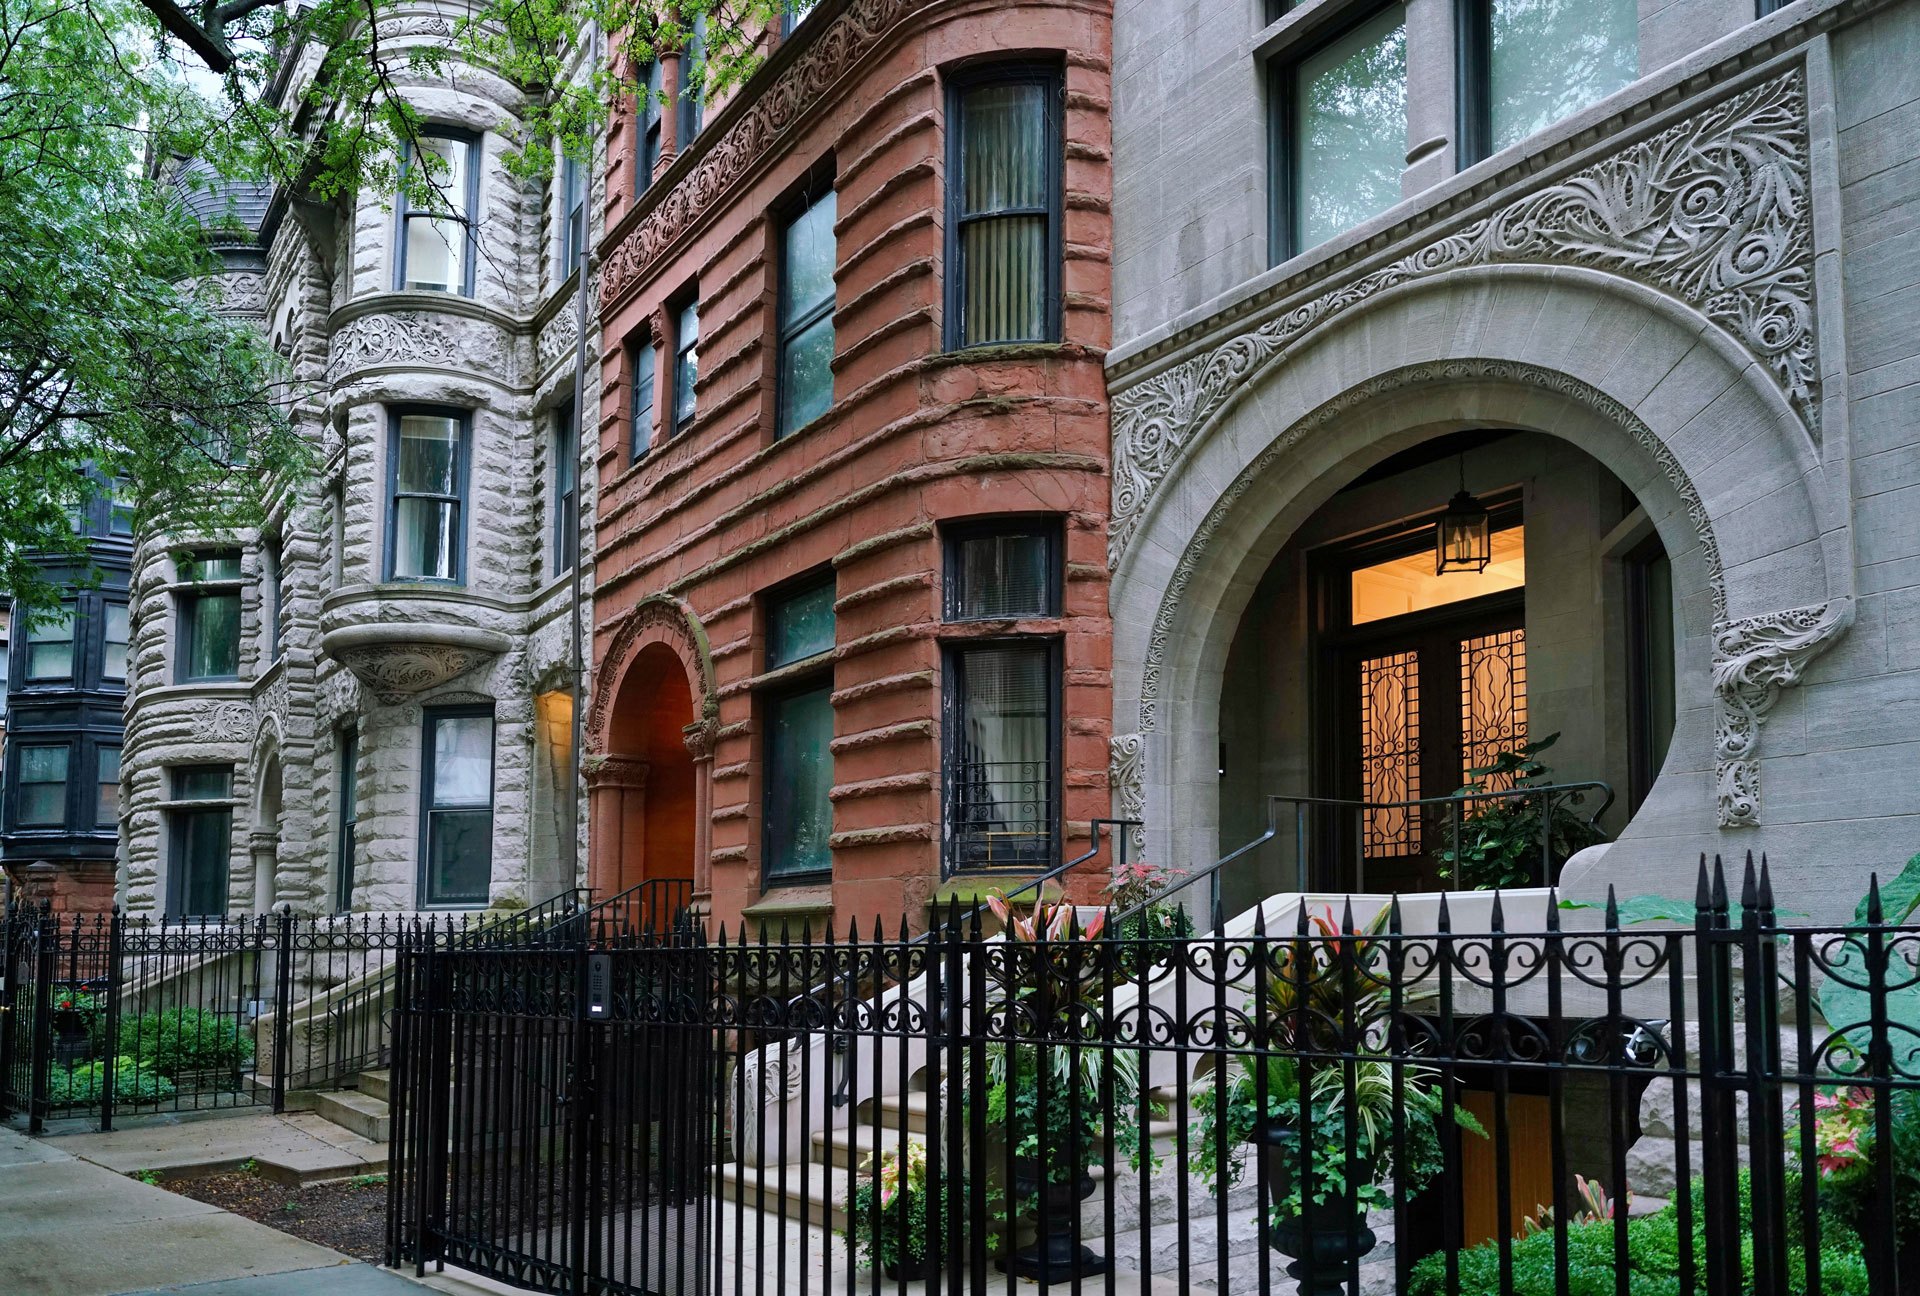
column 364, row 1110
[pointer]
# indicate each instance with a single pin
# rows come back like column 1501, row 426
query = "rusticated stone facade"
column 702, row 528
column 360, row 653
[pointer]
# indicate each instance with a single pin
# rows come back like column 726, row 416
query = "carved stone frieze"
column 394, row 671
column 848, row 38
column 1753, row 659
column 1714, row 211
column 556, row 340
column 1126, row 772
column 411, row 337
column 224, row 721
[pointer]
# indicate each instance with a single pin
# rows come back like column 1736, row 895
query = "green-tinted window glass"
column 212, row 638
column 800, row 625
column 1350, row 128
column 799, row 814
column 1550, row 58
column 43, row 786
column 50, row 647
column 806, row 316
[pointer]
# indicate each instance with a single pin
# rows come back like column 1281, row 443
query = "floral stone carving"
column 1713, row 210
column 1126, row 771
column 397, row 660
column 1753, row 659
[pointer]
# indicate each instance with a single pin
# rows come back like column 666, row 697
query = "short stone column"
column 617, row 812
column 263, row 845
column 700, row 738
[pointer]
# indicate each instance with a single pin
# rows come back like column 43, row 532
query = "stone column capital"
column 616, row 772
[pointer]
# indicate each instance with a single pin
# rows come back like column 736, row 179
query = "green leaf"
column 1847, row 1008
column 1899, row 897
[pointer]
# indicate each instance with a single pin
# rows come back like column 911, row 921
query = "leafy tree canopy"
column 112, row 366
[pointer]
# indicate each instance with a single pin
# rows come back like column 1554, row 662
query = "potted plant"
column 1053, row 1102
column 891, row 1209
column 1317, row 1110
column 1148, row 936
column 1499, row 839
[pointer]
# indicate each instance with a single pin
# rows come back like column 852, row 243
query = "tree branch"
column 211, row 46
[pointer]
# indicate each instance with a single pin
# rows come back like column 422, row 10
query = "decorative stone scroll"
column 1753, row 659
column 848, row 38
column 411, row 337
column 1714, row 210
column 225, row 722
column 1126, row 771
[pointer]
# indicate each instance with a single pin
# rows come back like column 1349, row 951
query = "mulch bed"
column 350, row 1216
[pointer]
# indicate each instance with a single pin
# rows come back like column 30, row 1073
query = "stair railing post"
column 1719, row 1150
column 283, row 1010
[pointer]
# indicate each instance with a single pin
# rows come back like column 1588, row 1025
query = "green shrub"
column 180, row 1040
column 1653, row 1259
column 132, row 1083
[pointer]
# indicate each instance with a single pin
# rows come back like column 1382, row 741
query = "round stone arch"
column 268, row 780
column 1728, row 472
column 655, row 619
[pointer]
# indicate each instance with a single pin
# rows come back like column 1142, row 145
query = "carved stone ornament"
column 224, row 721
column 396, row 661
column 411, row 337
column 832, row 52
column 679, row 619
column 1753, row 659
column 700, row 737
column 556, row 340
column 1714, row 210
column 1126, row 771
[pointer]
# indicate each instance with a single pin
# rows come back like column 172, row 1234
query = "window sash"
column 210, row 636
column 202, row 782
column 44, row 770
column 1002, row 754
column 456, row 858
column 692, row 106
column 426, row 515
column 798, row 822
column 574, row 211
column 1002, row 573
column 806, row 317
column 647, row 156
column 346, row 773
column 686, row 366
column 1003, row 207
column 1315, row 201
column 50, row 647
column 202, row 845
column 566, row 510
column 1526, row 66
column 106, row 810
column 449, row 237
column 646, row 360
column 800, row 625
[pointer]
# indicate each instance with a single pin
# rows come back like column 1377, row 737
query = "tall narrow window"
column 1341, row 133
column 573, row 203
column 43, row 785
column 566, row 492
column 113, row 651
column 457, row 806
column 798, row 822
column 271, row 579
column 436, row 239
column 806, row 314
column 50, row 647
column 644, row 361
column 1650, row 666
column 1528, row 63
column 1003, row 196
column 201, row 831
column 210, row 617
column 686, row 365
column 693, row 61
column 106, row 804
column 647, row 122
column 1002, row 720
column 429, row 473
column 347, row 772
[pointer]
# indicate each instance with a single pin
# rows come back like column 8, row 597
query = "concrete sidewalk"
column 69, row 1227
column 298, row 1147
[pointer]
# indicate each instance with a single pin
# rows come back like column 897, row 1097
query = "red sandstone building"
column 852, row 636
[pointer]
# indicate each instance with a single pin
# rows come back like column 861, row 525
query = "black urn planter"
column 1054, row 1256
column 1329, row 1233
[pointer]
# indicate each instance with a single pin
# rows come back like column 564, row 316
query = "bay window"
column 1003, row 199
column 210, row 617
column 428, row 479
column 437, row 240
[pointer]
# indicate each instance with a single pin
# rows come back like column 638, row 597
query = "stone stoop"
column 362, row 1110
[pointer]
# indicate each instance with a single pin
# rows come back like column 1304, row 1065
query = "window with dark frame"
column 120, row 508
column 1005, row 137
column 566, row 493
column 43, row 772
column 209, row 645
column 1001, row 710
column 437, row 241
column 456, row 799
column 647, row 123
column 1338, row 132
column 272, row 577
column 686, row 367
column 798, row 815
column 50, row 646
column 427, row 482
column 200, row 841
column 573, row 204
column 1525, row 65
column 106, row 805
column 692, row 106
column 114, row 634
column 644, row 359
column 346, row 771
column 806, row 312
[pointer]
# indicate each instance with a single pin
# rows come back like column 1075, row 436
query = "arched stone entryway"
column 650, row 744
column 1740, row 492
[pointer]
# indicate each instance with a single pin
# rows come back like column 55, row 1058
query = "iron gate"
column 556, row 1115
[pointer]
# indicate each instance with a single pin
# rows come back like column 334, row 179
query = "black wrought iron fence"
column 1484, row 1094
column 106, row 1014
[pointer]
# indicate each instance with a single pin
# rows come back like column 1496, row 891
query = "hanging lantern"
column 1463, row 541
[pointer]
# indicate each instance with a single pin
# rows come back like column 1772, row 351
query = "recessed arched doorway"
column 1362, row 672
column 644, row 790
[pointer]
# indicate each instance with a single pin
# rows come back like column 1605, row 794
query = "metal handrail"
column 1274, row 800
